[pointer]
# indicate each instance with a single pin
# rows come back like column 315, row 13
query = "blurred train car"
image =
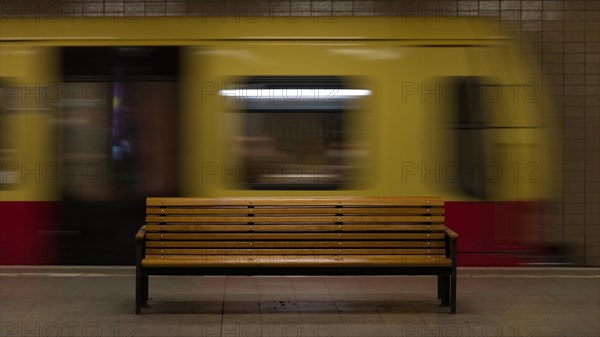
column 99, row 113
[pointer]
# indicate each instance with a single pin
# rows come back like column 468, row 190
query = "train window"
column 297, row 132
column 8, row 143
column 471, row 113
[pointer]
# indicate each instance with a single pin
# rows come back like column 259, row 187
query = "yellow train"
column 98, row 113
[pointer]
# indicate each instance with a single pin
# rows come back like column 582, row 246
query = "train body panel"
column 102, row 113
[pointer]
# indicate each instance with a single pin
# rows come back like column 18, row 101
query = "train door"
column 507, row 97
column 29, row 174
column 118, row 119
column 481, row 149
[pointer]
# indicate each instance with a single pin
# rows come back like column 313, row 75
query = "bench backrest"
column 196, row 227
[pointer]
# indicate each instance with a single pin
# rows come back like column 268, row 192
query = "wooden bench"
column 296, row 236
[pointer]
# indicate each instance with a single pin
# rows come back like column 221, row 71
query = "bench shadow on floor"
column 237, row 307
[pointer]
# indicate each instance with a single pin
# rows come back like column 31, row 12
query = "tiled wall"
column 567, row 44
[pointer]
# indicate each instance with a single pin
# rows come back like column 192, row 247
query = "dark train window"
column 471, row 113
column 9, row 166
column 296, row 132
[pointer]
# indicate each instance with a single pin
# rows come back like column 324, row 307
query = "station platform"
column 99, row 301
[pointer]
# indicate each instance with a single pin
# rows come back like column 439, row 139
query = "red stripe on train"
column 496, row 233
column 491, row 233
column 29, row 232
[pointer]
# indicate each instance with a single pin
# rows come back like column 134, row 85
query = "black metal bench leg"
column 445, row 290
column 453, row 292
column 141, row 280
column 139, row 289
column 439, row 281
column 145, row 284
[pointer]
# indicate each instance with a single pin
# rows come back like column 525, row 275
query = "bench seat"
column 281, row 261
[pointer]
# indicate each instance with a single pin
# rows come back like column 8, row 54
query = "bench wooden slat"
column 304, row 210
column 292, row 219
column 295, row 244
column 283, row 261
column 292, row 228
column 296, row 236
column 302, row 201
column 294, row 251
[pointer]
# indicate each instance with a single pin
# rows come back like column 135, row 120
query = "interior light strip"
column 291, row 93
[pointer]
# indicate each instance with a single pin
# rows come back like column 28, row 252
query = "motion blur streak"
column 97, row 116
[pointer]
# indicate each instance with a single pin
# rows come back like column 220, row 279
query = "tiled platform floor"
column 99, row 301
